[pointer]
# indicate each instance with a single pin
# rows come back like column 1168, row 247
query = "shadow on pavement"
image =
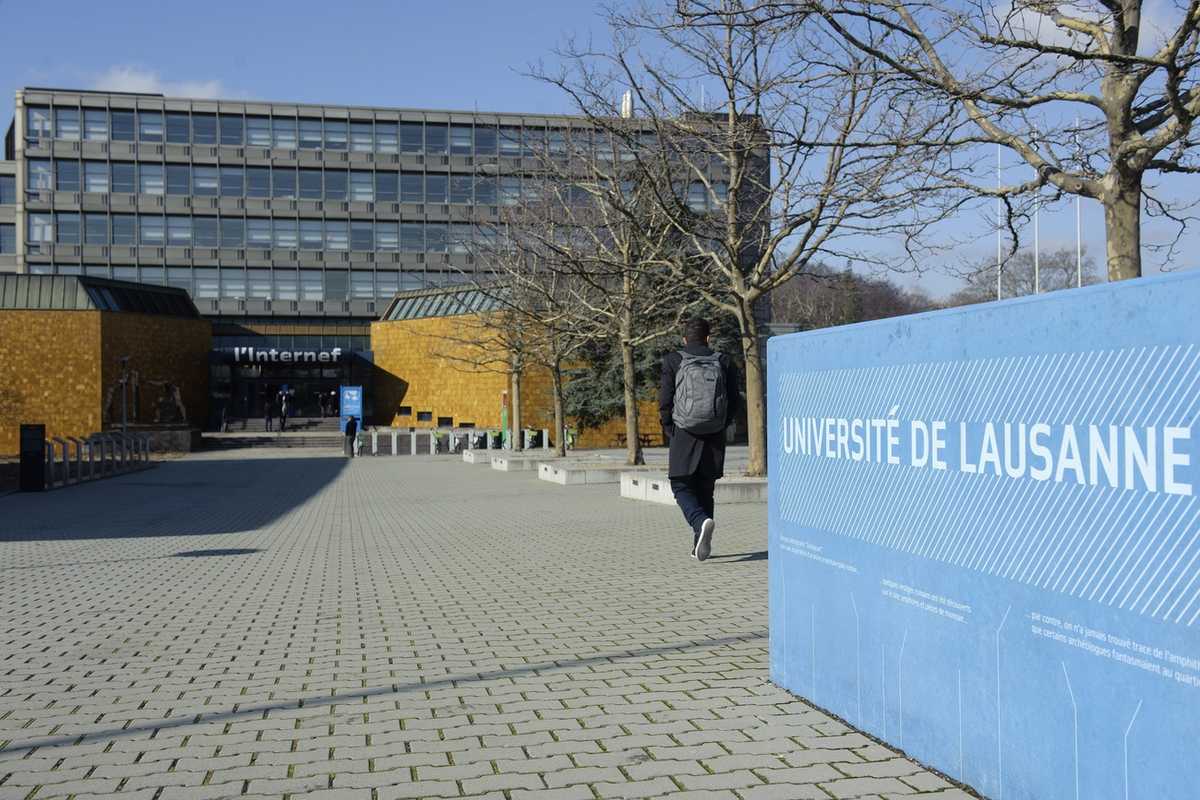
column 189, row 497
column 738, row 558
column 226, row 551
column 14, row 749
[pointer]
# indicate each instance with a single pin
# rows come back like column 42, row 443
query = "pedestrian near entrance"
column 269, row 412
column 697, row 400
column 351, row 436
column 283, row 411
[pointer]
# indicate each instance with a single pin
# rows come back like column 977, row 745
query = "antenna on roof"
column 627, row 104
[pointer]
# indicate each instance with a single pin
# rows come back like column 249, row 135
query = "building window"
column 435, row 237
column 258, row 182
column 510, row 141
column 41, row 229
column 206, row 181
column 233, row 284
column 445, row 422
column 335, row 184
column 361, row 138
column 283, row 183
column 233, row 232
column 66, row 124
column 362, row 236
column 386, row 283
column 412, row 137
column 124, row 179
column 258, row 131
column 66, row 228
column 8, row 239
column 412, row 187
column 461, row 140
column 386, row 187
column 533, row 141
column 337, row 235
column 284, row 131
column 285, row 234
column 485, row 191
column 231, row 130
column 362, row 285
column 424, row 416
column 485, row 140
column 259, row 283
column 37, row 124
column 258, row 233
column 204, row 128
column 312, row 234
column 95, row 125
column 151, row 231
column 205, row 232
column 124, row 229
column 95, row 229
column 460, row 188
column 208, row 286
column 311, row 184
column 436, row 137
column 232, row 182
column 387, row 137
column 179, row 179
column 362, row 186
column 125, row 274
column 557, row 142
column 286, row 285
column 66, row 176
column 310, row 134
column 180, row 278
column 8, row 190
column 335, row 134
column 404, row 411
column 412, row 237
column 311, row 285
column 150, row 178
column 39, row 176
column 179, row 231
column 435, row 188
column 387, row 236
column 122, row 126
column 510, row 190
column 150, row 126
column 179, row 128
column 337, row 285
column 460, row 237
column 95, row 177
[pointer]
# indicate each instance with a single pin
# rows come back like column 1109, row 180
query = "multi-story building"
column 290, row 225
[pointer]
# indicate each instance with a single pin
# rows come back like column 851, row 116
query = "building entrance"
column 241, row 391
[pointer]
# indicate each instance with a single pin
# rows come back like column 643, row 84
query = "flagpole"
column 999, row 224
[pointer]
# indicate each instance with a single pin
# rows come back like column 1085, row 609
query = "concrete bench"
column 655, row 487
column 575, row 473
column 477, row 456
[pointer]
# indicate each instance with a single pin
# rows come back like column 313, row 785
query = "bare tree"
column 1021, row 275
column 791, row 158
column 823, row 297
column 1095, row 95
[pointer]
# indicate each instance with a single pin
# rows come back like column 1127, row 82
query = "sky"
column 459, row 54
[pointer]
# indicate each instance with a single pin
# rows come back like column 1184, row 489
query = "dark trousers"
column 694, row 494
column 350, row 445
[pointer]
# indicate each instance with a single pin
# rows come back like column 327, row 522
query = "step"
column 655, row 487
column 577, row 473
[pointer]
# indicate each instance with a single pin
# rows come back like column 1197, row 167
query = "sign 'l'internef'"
column 985, row 537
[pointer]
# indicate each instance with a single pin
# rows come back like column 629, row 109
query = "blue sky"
column 458, row 55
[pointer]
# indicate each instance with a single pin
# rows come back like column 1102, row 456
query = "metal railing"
column 440, row 440
column 71, row 460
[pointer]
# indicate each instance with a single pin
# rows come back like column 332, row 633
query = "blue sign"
column 351, row 398
column 985, row 537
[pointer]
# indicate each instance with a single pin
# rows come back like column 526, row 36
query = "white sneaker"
column 704, row 545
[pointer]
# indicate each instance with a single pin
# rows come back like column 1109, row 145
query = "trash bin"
column 33, row 458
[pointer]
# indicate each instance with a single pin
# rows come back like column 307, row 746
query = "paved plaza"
column 277, row 623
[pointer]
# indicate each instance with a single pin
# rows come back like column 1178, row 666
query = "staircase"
column 314, row 432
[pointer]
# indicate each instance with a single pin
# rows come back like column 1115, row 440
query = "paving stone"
column 367, row 623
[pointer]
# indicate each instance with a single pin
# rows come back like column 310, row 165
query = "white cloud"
column 129, row 78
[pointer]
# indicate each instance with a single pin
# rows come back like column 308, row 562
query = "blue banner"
column 985, row 537
column 351, row 404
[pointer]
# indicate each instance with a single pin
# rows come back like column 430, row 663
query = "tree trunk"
column 560, row 439
column 633, row 442
column 1123, row 227
column 515, row 417
column 756, row 396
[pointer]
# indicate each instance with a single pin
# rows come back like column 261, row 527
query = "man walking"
column 269, row 410
column 697, row 399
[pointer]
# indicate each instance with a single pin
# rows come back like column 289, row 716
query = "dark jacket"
column 351, row 427
column 691, row 453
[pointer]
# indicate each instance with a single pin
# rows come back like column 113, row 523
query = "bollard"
column 91, row 449
column 78, row 458
column 489, row 440
column 545, row 438
column 470, row 440
column 64, row 467
column 374, row 442
column 394, row 450
column 412, row 440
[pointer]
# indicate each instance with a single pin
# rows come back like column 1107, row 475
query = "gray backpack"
column 700, row 394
